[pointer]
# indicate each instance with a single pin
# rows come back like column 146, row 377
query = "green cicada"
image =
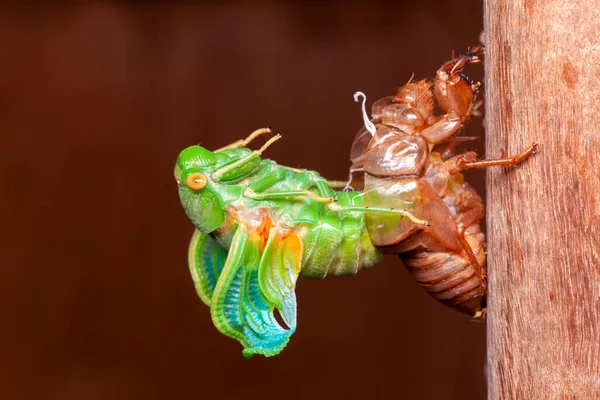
column 259, row 226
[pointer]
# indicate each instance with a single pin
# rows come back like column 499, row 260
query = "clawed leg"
column 379, row 210
column 467, row 247
column 498, row 161
column 468, row 161
column 223, row 171
column 244, row 142
column 269, row 177
column 478, row 268
column 288, row 195
column 456, row 65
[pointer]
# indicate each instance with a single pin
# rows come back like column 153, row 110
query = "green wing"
column 278, row 271
column 205, row 259
column 250, row 284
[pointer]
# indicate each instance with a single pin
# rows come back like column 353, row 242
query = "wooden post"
column 543, row 221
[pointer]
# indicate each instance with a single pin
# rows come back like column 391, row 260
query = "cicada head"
column 198, row 194
column 206, row 182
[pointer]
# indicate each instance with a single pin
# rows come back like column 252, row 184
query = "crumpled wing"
column 254, row 281
column 278, row 272
column 205, row 259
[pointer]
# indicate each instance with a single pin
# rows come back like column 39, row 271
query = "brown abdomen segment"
column 451, row 277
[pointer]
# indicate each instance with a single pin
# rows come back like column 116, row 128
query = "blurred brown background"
column 96, row 101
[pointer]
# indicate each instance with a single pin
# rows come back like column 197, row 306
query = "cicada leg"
column 455, row 94
column 336, row 185
column 232, row 166
column 462, row 164
column 244, row 142
column 269, row 177
column 467, row 247
column 380, row 210
column 468, row 161
column 286, row 195
column 322, row 185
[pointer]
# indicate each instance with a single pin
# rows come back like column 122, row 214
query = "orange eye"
column 196, row 181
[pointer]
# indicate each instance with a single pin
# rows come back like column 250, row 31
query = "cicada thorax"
column 409, row 111
column 394, row 165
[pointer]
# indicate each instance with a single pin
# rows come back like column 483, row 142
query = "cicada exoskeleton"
column 402, row 150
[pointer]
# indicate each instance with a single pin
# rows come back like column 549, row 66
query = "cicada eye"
column 196, row 181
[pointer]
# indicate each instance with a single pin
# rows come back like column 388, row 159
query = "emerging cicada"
column 260, row 225
column 406, row 154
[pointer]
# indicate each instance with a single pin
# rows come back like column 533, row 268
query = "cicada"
column 407, row 155
column 260, row 225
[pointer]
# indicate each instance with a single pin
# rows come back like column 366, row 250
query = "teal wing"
column 254, row 280
column 205, row 259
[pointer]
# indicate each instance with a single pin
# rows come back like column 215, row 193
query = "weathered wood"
column 543, row 85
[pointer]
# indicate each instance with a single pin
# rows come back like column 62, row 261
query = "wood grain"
column 543, row 85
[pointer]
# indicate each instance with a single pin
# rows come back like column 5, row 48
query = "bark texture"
column 543, row 85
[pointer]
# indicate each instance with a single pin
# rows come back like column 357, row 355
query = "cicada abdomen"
column 453, row 275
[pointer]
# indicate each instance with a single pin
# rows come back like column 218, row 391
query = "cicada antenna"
column 368, row 124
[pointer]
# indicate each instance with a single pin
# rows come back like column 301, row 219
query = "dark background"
column 96, row 101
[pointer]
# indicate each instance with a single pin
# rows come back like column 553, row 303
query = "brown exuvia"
column 407, row 155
